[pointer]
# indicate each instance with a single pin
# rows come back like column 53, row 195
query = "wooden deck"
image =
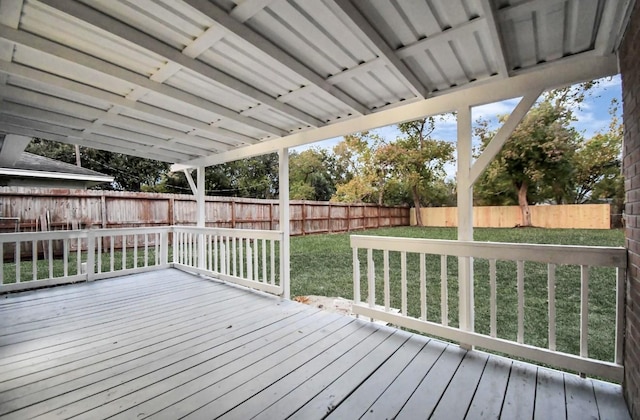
column 167, row 344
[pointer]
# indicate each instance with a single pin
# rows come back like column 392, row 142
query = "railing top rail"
column 238, row 233
column 556, row 254
column 53, row 234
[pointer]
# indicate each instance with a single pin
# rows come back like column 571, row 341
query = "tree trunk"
column 416, row 205
column 524, row 205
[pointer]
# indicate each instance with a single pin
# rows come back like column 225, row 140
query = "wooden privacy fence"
column 568, row 216
column 37, row 209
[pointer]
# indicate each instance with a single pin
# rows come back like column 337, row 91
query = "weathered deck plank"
column 168, row 344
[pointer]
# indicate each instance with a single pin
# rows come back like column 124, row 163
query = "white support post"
column 465, row 219
column 200, row 190
column 283, row 207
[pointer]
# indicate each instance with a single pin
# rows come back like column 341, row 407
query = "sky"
column 592, row 117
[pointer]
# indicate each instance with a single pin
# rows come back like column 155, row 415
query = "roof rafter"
column 40, row 101
column 51, row 48
column 128, row 33
column 368, row 34
column 442, row 37
column 496, row 37
column 47, row 131
column 203, row 128
column 580, row 68
column 273, row 51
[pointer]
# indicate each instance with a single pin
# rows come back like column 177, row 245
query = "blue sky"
column 592, row 117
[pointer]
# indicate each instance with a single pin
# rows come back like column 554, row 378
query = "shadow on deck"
column 168, row 344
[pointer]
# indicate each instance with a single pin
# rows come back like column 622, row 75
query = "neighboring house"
column 38, row 171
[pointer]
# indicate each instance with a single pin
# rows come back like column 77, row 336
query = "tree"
column 130, row 173
column 313, row 174
column 418, row 160
column 537, row 156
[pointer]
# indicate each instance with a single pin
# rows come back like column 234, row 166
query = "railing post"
column 91, row 255
column 285, row 228
column 465, row 220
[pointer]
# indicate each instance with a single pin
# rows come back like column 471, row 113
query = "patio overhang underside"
column 198, row 82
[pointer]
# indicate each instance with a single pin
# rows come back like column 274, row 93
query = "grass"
column 322, row 265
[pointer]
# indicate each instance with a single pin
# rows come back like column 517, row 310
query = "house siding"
column 630, row 70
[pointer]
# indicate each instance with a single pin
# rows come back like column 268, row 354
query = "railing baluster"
column 228, row 262
column 423, row 288
column 50, row 250
column 124, row 252
column 385, row 269
column 444, row 292
column 17, row 260
column 2, row 263
column 146, row 250
column 112, row 253
column 492, row 298
column 551, row 285
column 65, row 257
column 216, row 257
column 223, row 258
column 210, row 253
column 99, row 239
column 520, row 265
column 403, row 282
column 356, row 276
column 371, row 278
column 241, row 257
column 584, row 311
column 621, row 275
column 235, row 256
column 264, row 260
column 79, row 256
column 135, row 251
column 249, row 264
column 34, row 259
column 255, row 260
column 272, row 245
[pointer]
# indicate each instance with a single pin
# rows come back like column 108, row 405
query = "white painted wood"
column 621, row 275
column 493, row 90
column 444, row 291
column 496, row 37
column 386, row 285
column 11, row 148
column 371, row 279
column 283, row 209
column 551, row 286
column 496, row 143
column 249, row 8
column 520, row 287
column 554, row 254
column 423, row 288
column 465, row 217
column 584, row 311
column 140, row 38
column 356, row 276
column 493, row 302
column 594, row 367
column 403, row 283
column 366, row 32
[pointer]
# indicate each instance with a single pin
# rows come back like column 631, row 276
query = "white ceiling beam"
column 609, row 28
column 221, row 134
column 204, row 41
column 558, row 74
column 500, row 138
column 10, row 11
column 464, row 29
column 128, row 33
column 75, row 57
column 527, row 7
column 495, row 36
column 44, row 132
column 248, row 9
column 39, row 102
column 273, row 51
column 367, row 33
column 11, row 148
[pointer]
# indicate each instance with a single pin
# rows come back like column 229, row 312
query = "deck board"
column 168, row 344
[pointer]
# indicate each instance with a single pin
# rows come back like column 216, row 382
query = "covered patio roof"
column 198, row 82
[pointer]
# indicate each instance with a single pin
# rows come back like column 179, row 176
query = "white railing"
column 247, row 257
column 37, row 259
column 423, row 266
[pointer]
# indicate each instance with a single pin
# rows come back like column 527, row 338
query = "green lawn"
column 322, row 265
